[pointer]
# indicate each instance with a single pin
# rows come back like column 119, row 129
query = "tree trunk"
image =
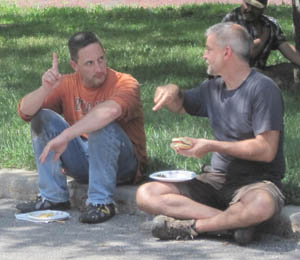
column 296, row 18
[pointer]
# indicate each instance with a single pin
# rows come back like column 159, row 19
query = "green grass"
column 157, row 46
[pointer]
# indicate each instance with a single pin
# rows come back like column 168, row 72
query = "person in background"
column 242, row 186
column 266, row 33
column 100, row 140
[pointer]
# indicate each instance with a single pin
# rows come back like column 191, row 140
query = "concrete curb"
column 22, row 185
column 18, row 184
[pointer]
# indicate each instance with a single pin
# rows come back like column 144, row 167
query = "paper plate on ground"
column 48, row 215
column 173, row 176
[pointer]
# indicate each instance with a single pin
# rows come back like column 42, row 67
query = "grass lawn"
column 157, row 46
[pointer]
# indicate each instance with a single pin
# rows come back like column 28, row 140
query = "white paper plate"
column 48, row 215
column 173, row 176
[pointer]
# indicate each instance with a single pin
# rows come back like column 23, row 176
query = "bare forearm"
column 99, row 117
column 177, row 105
column 33, row 101
column 51, row 79
column 289, row 51
column 247, row 150
column 168, row 96
column 295, row 58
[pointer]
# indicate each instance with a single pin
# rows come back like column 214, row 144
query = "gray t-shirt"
column 240, row 114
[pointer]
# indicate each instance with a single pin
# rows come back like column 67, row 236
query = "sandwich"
column 181, row 143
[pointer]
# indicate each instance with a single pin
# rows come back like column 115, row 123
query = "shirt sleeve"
column 22, row 115
column 228, row 18
column 194, row 100
column 127, row 95
column 232, row 16
column 268, row 109
column 53, row 102
column 277, row 35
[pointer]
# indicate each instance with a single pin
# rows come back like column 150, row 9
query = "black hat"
column 257, row 3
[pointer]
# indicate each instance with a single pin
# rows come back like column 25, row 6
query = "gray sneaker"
column 244, row 236
column 42, row 204
column 167, row 228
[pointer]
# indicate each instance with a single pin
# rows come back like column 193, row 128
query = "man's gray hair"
column 234, row 36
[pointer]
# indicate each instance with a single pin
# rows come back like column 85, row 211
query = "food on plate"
column 161, row 175
column 46, row 215
column 181, row 143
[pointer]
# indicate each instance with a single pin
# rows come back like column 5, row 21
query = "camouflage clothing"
column 277, row 36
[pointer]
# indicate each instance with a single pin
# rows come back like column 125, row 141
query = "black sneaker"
column 244, row 236
column 42, row 204
column 97, row 214
column 167, row 228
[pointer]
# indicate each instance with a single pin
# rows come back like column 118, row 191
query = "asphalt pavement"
column 126, row 236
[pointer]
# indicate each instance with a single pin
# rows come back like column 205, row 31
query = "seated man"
column 265, row 31
column 100, row 140
column 242, row 186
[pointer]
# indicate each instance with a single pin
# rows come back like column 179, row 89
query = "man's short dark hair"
column 80, row 40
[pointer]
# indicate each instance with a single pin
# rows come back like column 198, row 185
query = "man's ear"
column 228, row 52
column 73, row 64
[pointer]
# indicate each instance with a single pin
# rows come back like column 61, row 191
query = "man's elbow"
column 269, row 156
column 115, row 111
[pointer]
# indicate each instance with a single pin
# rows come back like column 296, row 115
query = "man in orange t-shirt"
column 100, row 139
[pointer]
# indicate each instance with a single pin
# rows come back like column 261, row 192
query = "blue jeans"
column 105, row 159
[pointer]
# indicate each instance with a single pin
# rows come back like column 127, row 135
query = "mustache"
column 99, row 74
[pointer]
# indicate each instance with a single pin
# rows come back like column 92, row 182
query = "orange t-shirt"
column 73, row 100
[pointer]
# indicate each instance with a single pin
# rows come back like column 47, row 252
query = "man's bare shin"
column 253, row 209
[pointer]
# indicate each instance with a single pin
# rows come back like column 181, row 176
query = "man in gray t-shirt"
column 254, row 107
column 241, row 188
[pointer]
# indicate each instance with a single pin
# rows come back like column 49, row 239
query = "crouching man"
column 100, row 139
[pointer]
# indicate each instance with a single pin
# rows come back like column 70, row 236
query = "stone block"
column 124, row 197
column 18, row 184
column 287, row 224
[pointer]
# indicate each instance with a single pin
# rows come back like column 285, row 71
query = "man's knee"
column 111, row 137
column 143, row 195
column 261, row 204
column 44, row 116
column 266, row 204
column 151, row 197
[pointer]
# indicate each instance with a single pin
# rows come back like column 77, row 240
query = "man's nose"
column 99, row 66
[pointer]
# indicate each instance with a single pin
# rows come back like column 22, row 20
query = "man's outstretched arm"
column 168, row 96
column 289, row 51
column 261, row 148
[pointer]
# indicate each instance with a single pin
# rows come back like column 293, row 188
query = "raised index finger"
column 158, row 99
column 55, row 62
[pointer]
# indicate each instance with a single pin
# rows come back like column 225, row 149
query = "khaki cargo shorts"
column 209, row 188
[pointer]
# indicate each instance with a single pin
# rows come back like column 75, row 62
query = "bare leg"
column 164, row 198
column 254, row 207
